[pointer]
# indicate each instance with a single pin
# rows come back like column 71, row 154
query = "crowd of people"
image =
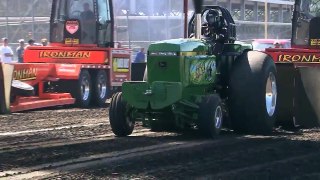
column 7, row 54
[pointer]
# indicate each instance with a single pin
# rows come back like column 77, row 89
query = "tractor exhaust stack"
column 198, row 9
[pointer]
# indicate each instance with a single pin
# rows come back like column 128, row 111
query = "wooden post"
column 266, row 19
column 6, row 73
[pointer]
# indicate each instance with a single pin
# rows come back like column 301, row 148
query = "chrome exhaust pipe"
column 198, row 9
column 198, row 26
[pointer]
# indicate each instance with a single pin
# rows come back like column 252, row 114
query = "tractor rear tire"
column 121, row 122
column 210, row 116
column 81, row 89
column 100, row 88
column 253, row 93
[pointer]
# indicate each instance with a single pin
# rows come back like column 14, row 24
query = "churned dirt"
column 71, row 143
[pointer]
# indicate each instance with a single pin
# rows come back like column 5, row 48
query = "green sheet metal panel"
column 179, row 45
column 159, row 94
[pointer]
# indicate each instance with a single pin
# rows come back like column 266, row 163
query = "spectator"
column 6, row 52
column 20, row 50
column 44, row 42
column 277, row 44
column 30, row 42
column 87, row 14
column 88, row 21
column 140, row 57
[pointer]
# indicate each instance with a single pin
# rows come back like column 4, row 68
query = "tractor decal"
column 65, row 54
column 202, row 72
column 72, row 26
column 315, row 42
column 306, row 58
column 71, row 41
column 25, row 74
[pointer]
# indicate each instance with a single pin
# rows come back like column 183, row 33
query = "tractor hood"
column 180, row 45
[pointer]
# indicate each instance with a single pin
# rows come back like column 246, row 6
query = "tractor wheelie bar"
column 80, row 66
column 204, row 81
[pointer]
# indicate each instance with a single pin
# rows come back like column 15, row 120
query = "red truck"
column 81, row 66
column 298, row 69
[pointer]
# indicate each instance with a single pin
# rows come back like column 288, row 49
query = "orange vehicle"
column 81, row 66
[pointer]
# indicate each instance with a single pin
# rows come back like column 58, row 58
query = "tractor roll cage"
column 94, row 29
column 229, row 23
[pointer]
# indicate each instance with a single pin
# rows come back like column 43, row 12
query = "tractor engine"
column 181, row 60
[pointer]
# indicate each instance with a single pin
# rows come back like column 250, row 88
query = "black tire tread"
column 117, row 116
column 206, row 114
column 97, row 101
column 247, row 93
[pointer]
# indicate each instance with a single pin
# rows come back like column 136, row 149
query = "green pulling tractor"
column 206, row 81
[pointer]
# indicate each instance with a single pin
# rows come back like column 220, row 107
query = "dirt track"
column 78, row 144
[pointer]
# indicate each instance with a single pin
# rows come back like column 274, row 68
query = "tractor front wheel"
column 122, row 124
column 210, row 116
